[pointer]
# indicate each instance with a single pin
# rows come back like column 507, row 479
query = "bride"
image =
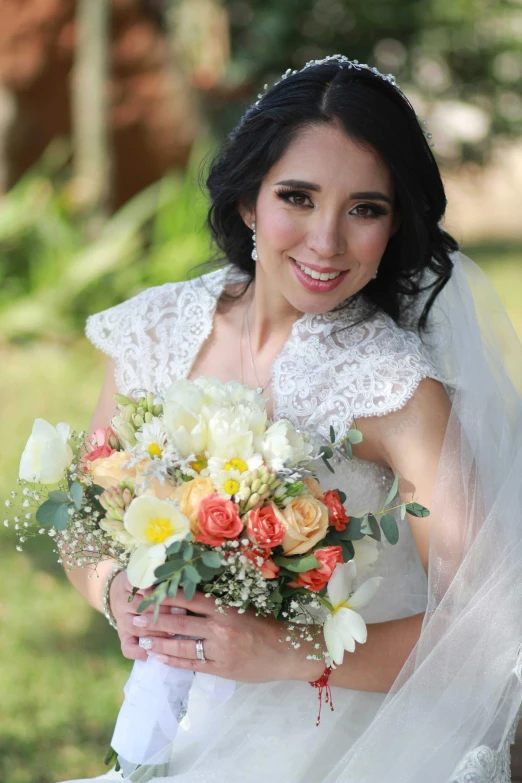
column 341, row 297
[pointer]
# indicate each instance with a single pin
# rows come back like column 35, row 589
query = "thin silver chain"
column 260, row 387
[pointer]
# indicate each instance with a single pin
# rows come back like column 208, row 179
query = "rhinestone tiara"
column 341, row 59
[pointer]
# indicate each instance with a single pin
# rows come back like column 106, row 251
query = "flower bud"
column 128, row 412
column 150, row 401
column 148, row 417
column 253, row 501
column 157, row 410
column 255, row 485
column 263, row 489
column 138, row 420
column 280, row 491
column 287, row 501
column 121, row 399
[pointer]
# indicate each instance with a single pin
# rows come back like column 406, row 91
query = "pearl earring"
column 374, row 276
column 255, row 257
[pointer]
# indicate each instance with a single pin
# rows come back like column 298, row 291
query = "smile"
column 317, row 275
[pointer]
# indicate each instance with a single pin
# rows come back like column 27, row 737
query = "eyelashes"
column 291, row 197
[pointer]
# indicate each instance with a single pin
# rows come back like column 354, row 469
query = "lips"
column 317, row 279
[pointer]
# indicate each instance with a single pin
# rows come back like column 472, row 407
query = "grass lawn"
column 61, row 671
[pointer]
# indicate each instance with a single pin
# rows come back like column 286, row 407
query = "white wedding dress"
column 326, row 374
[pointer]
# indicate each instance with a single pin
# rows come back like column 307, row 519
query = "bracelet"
column 106, row 600
column 323, row 686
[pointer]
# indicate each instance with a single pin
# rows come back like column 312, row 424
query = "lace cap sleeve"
column 155, row 336
column 333, row 372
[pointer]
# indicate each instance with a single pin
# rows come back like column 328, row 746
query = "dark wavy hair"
column 416, row 264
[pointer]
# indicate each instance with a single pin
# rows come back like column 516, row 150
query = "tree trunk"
column 90, row 112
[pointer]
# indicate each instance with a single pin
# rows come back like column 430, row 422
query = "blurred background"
column 107, row 110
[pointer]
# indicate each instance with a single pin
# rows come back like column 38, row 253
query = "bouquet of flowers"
column 196, row 488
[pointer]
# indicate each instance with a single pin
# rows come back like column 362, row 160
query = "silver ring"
column 200, row 652
column 145, row 643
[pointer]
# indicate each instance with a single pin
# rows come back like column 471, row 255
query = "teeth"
column 317, row 275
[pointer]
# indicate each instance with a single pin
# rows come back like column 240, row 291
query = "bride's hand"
column 124, row 612
column 236, row 646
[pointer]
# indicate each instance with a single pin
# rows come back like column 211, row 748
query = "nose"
column 326, row 237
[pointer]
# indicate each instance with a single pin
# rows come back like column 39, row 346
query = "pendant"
column 259, row 390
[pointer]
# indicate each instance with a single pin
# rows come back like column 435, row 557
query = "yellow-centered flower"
column 231, row 486
column 199, row 464
column 236, row 464
column 158, row 530
column 154, row 450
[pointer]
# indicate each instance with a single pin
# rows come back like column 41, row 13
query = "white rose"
column 47, row 454
column 283, row 446
column 183, row 418
column 229, row 435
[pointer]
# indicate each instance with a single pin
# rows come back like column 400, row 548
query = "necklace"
column 260, row 387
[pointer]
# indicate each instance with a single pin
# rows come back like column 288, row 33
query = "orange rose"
column 306, row 522
column 337, row 515
column 190, row 494
column 266, row 527
column 317, row 578
column 314, row 488
column 217, row 520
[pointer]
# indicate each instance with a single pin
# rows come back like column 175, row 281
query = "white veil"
column 452, row 710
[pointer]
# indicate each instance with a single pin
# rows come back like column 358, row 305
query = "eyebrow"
column 369, row 194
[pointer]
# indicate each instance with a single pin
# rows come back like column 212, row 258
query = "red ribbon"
column 323, row 686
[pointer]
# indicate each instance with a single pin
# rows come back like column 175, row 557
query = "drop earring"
column 255, row 257
column 374, row 276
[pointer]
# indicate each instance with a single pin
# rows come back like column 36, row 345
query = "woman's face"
column 325, row 208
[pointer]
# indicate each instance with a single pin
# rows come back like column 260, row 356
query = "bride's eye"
column 295, row 197
column 367, row 211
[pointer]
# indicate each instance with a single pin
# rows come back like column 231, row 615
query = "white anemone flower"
column 345, row 626
column 366, row 554
column 153, row 439
column 283, row 446
column 153, row 524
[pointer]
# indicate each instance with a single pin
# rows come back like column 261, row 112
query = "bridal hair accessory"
column 200, row 652
column 255, row 257
column 342, row 60
column 323, row 687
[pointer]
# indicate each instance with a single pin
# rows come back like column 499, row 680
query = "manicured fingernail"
column 177, row 610
column 141, row 622
column 162, row 658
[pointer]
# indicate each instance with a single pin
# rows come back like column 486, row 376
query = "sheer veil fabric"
column 449, row 715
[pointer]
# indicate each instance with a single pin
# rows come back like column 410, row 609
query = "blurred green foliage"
column 53, row 275
column 466, row 50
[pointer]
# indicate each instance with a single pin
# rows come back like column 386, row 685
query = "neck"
column 271, row 317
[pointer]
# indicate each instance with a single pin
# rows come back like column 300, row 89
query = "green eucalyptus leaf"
column 188, row 551
column 365, row 525
column 189, row 572
column 326, row 451
column 342, row 495
column 393, row 490
column 348, row 448
column 332, row 434
column 297, row 564
column 174, row 548
column 189, row 588
column 389, row 528
column 416, row 510
column 146, row 603
column 376, row 530
column 57, row 496
column 169, row 568
column 51, row 514
column 328, row 464
column 212, row 559
column 354, row 436
column 348, row 550
column 353, row 531
column 76, row 491
column 403, row 510
column 173, row 585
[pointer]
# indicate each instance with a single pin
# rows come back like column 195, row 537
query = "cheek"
column 369, row 242
column 281, row 230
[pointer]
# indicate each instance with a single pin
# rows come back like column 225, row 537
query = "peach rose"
column 108, row 472
column 269, row 569
column 314, row 488
column 306, row 522
column 190, row 494
column 266, row 526
column 317, row 578
column 337, row 515
column 217, row 520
